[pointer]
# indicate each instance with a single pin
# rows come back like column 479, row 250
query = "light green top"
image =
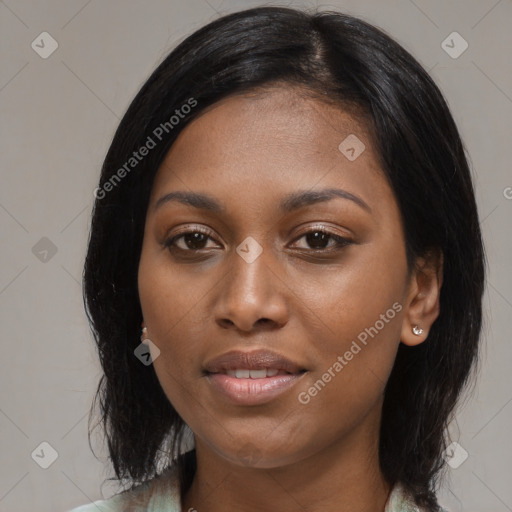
column 141, row 499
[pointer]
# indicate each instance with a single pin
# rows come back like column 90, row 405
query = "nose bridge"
column 250, row 264
column 251, row 291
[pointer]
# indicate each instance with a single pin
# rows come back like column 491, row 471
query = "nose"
column 252, row 295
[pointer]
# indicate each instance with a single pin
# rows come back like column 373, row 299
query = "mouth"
column 252, row 378
column 257, row 364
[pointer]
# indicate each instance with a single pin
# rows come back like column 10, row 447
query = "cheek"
column 354, row 356
column 170, row 297
column 353, row 316
column 166, row 304
column 353, row 296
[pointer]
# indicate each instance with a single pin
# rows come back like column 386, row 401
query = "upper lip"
column 253, row 360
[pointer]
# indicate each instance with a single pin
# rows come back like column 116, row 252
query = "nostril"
column 225, row 323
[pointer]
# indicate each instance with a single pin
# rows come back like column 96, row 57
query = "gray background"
column 58, row 117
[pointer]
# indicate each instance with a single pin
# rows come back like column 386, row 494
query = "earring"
column 144, row 331
column 417, row 330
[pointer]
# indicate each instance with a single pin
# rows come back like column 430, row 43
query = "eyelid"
column 192, row 228
column 346, row 234
column 185, row 230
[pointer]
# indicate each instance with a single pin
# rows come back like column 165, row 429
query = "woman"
column 287, row 213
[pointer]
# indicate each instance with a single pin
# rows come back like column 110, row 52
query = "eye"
column 318, row 239
column 189, row 240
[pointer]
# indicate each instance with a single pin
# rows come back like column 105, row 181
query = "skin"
column 249, row 152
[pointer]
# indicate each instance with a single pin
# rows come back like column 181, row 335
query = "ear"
column 422, row 304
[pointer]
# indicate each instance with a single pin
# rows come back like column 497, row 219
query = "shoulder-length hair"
column 346, row 61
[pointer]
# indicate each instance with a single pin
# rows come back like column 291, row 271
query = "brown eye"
column 192, row 240
column 319, row 239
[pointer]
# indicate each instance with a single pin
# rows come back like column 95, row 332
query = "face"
column 272, row 261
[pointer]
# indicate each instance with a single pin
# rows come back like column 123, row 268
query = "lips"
column 255, row 361
column 251, row 378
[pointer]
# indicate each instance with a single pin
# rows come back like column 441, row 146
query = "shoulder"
column 401, row 501
column 160, row 494
column 110, row 505
column 113, row 504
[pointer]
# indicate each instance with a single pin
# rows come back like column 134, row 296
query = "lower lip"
column 252, row 391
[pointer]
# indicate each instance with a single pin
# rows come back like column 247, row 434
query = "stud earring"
column 144, row 331
column 417, row 330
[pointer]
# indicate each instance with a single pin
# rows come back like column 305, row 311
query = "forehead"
column 272, row 140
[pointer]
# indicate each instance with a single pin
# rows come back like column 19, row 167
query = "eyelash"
column 340, row 241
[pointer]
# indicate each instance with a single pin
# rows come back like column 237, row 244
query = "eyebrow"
column 290, row 203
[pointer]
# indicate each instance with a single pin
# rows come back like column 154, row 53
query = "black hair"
column 348, row 62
